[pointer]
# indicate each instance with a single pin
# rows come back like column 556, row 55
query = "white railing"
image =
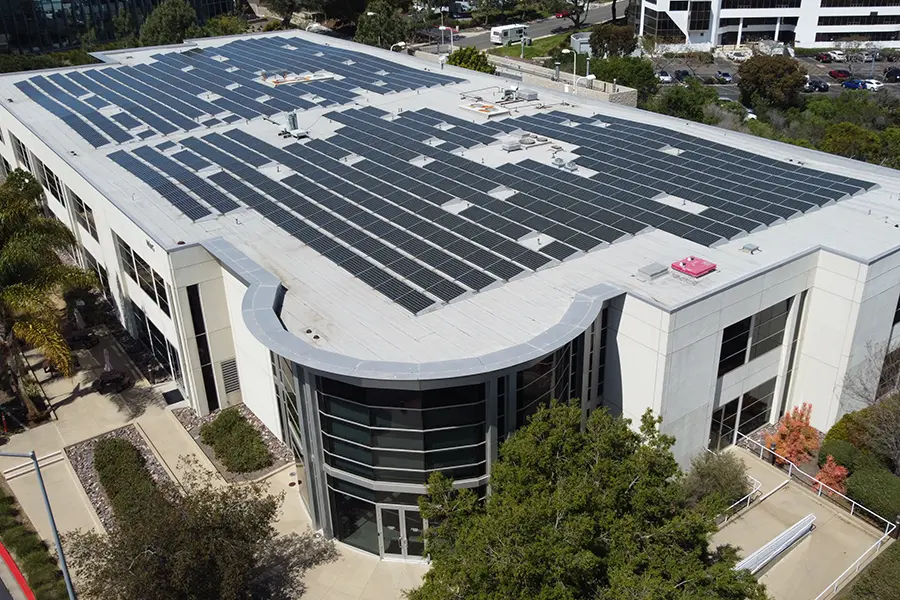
column 831, row 493
column 746, row 500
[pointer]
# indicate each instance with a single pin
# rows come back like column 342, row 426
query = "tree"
column 32, row 276
column 124, row 25
column 470, row 58
column 381, row 25
column 890, row 147
column 795, row 438
column 211, row 542
column 170, row 23
column 593, row 512
column 225, row 25
column 774, row 80
column 685, row 102
column 284, row 9
column 629, row 71
column 612, row 40
column 852, row 141
column 721, row 474
column 833, row 475
column 577, row 9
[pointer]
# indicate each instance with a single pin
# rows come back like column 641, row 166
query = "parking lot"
column 814, row 68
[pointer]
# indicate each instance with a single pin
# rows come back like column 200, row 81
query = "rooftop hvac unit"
column 693, row 266
column 558, row 161
column 511, row 144
column 527, row 141
column 526, row 95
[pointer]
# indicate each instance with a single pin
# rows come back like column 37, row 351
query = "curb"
column 14, row 569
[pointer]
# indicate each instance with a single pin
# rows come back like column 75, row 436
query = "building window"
column 141, row 272
column 89, row 262
column 206, row 369
column 768, row 328
column 897, row 313
column 700, row 16
column 859, row 20
column 744, row 415
column 501, row 409
column 163, row 351
column 859, row 36
column 752, row 4
column 734, row 346
column 661, row 26
column 402, row 435
column 20, row 152
column 792, row 358
column 857, row 3
column 84, row 215
column 5, row 167
column 678, row 5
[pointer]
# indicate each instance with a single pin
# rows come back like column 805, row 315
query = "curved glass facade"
column 402, row 435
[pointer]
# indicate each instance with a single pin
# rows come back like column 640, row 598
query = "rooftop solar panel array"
column 203, row 87
column 424, row 225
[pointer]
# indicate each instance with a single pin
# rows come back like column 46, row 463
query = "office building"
column 395, row 263
column 802, row 23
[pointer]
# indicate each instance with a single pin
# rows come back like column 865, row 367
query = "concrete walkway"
column 812, row 564
column 83, row 414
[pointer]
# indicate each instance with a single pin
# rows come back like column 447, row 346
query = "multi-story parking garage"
column 398, row 281
column 804, row 23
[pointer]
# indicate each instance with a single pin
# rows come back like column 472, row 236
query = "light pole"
column 371, row 14
column 59, row 551
column 398, row 45
column 586, row 78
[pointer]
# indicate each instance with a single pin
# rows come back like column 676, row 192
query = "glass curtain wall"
column 745, row 414
column 402, row 435
column 556, row 376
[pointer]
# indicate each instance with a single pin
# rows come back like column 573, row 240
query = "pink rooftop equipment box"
column 693, row 266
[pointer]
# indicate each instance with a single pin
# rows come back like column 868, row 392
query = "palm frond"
column 46, row 335
column 23, row 299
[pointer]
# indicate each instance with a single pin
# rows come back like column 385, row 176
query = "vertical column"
column 490, row 417
column 315, row 472
column 740, row 31
column 784, row 364
column 777, row 27
column 511, row 391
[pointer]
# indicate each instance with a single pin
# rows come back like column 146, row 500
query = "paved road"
column 536, row 29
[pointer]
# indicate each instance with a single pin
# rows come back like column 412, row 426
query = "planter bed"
column 281, row 454
column 81, row 456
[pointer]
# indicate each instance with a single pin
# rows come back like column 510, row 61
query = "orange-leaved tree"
column 795, row 439
column 833, row 475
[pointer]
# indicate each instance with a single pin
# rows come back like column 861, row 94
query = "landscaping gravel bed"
column 281, row 454
column 81, row 456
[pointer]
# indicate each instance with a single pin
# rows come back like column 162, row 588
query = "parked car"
column 751, row 116
column 837, row 56
column 816, row 85
column 724, row 77
column 839, row 74
column 823, row 57
column 664, row 77
column 563, row 14
column 892, row 75
column 681, row 75
column 854, row 84
column 112, row 382
column 873, row 84
column 738, row 56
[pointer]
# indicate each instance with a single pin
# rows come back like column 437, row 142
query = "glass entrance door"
column 400, row 532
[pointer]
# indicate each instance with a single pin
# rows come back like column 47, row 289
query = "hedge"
column 236, row 443
column 123, row 473
column 844, row 453
column 880, row 579
column 32, row 555
column 848, row 429
column 878, row 490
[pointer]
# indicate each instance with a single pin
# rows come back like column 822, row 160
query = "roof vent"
column 571, row 166
column 650, row 272
column 511, row 144
column 693, row 266
column 527, row 141
column 558, row 161
column 526, row 95
column 750, row 248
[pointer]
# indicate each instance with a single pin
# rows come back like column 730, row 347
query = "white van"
column 837, row 56
column 508, row 34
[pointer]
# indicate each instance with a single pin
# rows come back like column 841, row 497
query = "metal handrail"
column 748, row 498
column 793, row 469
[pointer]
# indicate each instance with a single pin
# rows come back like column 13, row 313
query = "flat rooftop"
column 421, row 217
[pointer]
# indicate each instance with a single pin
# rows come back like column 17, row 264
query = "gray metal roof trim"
column 264, row 294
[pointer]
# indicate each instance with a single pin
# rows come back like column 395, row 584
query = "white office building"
column 397, row 282
column 802, row 23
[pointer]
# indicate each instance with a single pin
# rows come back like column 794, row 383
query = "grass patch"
column 237, row 444
column 31, row 553
column 879, row 579
column 541, row 47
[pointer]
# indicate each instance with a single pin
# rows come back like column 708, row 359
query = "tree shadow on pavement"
column 135, row 401
column 285, row 562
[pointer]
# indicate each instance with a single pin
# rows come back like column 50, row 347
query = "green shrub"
column 848, row 429
column 866, row 460
column 844, row 453
column 124, row 476
column 236, row 443
column 31, row 554
column 879, row 580
column 720, row 475
column 876, row 489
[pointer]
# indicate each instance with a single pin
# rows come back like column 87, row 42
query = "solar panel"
column 176, row 197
